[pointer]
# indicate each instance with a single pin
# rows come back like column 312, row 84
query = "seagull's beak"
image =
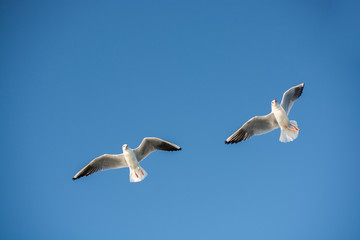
column 275, row 100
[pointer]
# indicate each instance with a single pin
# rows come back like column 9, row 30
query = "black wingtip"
column 174, row 150
column 74, row 178
column 298, row 91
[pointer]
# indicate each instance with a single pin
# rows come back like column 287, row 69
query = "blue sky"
column 81, row 78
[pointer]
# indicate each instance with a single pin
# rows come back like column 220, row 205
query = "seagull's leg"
column 141, row 171
column 296, row 128
column 136, row 175
column 293, row 130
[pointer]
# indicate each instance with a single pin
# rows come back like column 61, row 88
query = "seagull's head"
column 274, row 104
column 125, row 147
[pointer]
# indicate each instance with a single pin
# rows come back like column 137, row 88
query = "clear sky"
column 81, row 78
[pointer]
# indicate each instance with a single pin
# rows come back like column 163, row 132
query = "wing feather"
column 150, row 144
column 104, row 162
column 290, row 96
column 255, row 126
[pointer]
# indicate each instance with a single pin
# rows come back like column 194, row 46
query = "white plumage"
column 129, row 158
column 277, row 118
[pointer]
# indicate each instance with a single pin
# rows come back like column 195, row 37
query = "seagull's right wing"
column 104, row 162
column 290, row 96
column 255, row 126
column 150, row 144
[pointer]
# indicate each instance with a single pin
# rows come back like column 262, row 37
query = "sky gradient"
column 81, row 78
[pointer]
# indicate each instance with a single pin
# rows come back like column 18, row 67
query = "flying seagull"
column 129, row 158
column 277, row 118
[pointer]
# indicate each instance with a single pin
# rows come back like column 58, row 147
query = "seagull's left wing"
column 290, row 97
column 104, row 162
column 150, row 144
column 255, row 126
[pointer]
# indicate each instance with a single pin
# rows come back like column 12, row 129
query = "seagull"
column 277, row 118
column 129, row 158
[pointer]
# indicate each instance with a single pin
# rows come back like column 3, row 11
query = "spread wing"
column 290, row 97
column 150, row 144
column 104, row 162
column 255, row 126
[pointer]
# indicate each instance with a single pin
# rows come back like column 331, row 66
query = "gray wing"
column 255, row 126
column 290, row 97
column 150, row 144
column 104, row 162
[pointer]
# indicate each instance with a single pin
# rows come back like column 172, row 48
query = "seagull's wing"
column 150, row 144
column 104, row 162
column 255, row 126
column 290, row 97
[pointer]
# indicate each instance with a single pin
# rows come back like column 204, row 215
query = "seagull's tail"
column 290, row 133
column 137, row 174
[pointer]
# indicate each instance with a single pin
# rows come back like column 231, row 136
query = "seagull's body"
column 129, row 158
column 277, row 118
column 137, row 173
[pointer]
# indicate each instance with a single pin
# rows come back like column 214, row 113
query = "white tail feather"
column 287, row 135
column 137, row 174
